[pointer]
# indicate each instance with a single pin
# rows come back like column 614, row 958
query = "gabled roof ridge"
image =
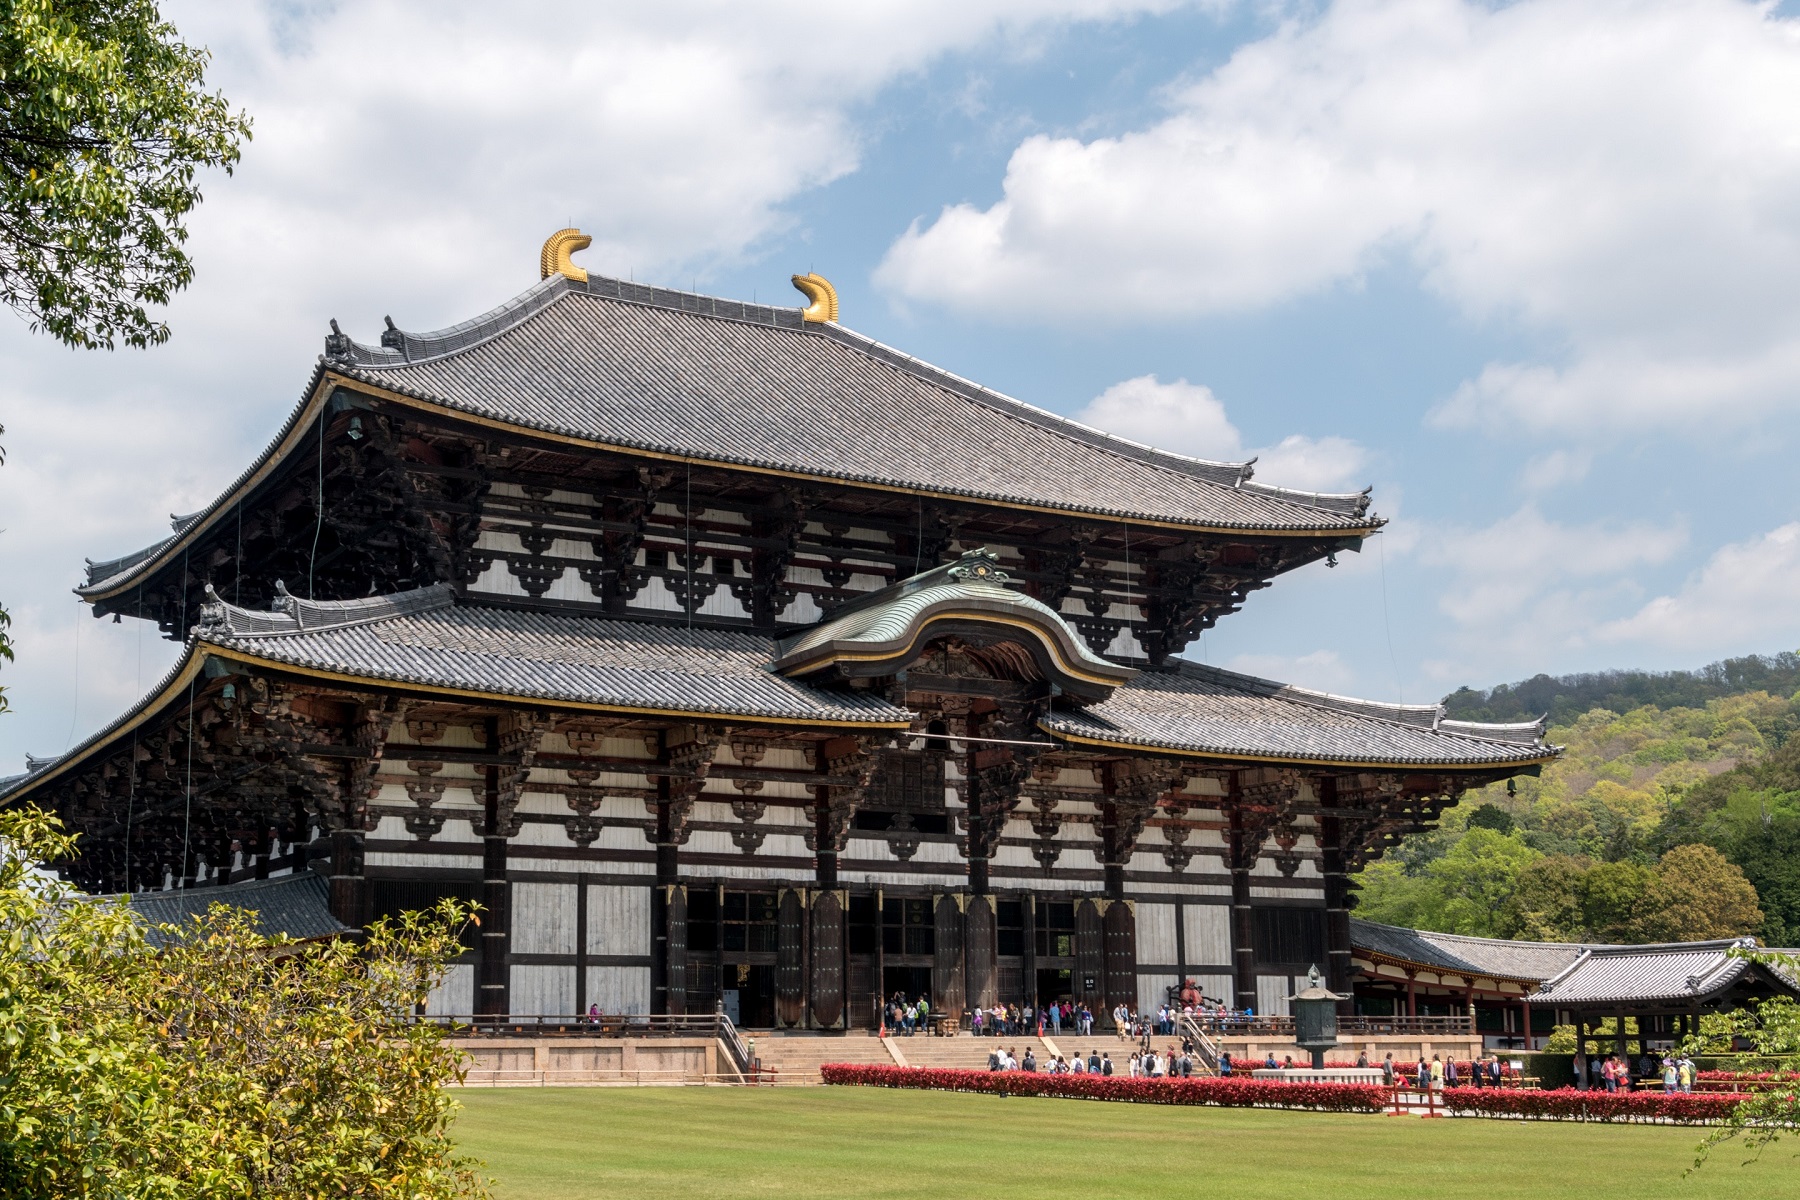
column 291, row 615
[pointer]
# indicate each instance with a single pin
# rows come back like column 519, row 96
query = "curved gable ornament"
column 885, row 631
column 824, row 297
column 554, row 258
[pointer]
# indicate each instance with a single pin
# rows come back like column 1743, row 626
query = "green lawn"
column 848, row 1143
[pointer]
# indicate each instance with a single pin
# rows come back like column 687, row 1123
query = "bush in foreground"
column 215, row 1063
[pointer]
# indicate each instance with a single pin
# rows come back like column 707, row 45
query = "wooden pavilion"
column 732, row 659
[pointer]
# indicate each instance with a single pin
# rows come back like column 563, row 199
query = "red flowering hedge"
column 1236, row 1092
column 1748, row 1076
column 1569, row 1104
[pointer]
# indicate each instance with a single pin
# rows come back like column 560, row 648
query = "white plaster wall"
column 1208, row 929
column 618, row 920
column 549, row 991
column 455, row 996
column 619, row 989
column 1272, row 992
column 1215, row 987
column 1156, row 933
column 1153, row 992
column 543, row 918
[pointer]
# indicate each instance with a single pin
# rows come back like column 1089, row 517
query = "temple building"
column 731, row 659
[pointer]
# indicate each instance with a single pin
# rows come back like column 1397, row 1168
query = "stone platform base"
column 564, row 1061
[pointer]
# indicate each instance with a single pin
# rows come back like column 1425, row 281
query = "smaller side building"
column 1516, row 993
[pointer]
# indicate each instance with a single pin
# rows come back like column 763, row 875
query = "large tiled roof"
column 1209, row 711
column 297, row 906
column 424, row 638
column 696, row 376
column 1530, row 962
column 1675, row 971
column 666, row 371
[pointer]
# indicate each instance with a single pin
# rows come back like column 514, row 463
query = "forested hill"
column 1565, row 697
column 1673, row 815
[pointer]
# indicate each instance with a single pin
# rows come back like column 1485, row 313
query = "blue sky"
column 1528, row 270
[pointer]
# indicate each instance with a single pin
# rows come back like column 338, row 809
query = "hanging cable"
column 1130, row 605
column 187, row 806
column 237, row 583
column 687, row 510
column 919, row 541
column 1387, row 625
column 75, row 704
column 131, row 769
column 319, row 523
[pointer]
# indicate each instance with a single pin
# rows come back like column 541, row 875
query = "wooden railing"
column 1231, row 1025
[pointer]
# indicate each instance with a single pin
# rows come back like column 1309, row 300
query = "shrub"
column 1235, row 1092
column 1569, row 1104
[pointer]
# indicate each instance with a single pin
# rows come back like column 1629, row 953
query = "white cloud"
column 410, row 159
column 1187, row 418
column 1619, row 175
column 1556, row 468
column 1527, row 580
column 1742, row 599
column 1321, row 670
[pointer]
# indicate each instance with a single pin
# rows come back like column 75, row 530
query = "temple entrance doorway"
column 910, row 982
column 749, row 995
column 1054, row 985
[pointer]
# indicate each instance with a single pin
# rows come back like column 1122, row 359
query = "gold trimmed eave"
column 1233, row 756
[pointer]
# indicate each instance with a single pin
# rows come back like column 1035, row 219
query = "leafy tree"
column 104, row 122
column 1763, row 1117
column 1566, row 697
column 1545, row 905
column 1492, row 816
column 1477, row 878
column 1611, row 896
column 211, row 1062
column 1695, row 896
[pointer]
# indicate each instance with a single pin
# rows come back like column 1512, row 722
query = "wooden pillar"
column 1338, row 965
column 493, row 993
column 1243, row 933
column 947, row 995
column 1412, row 994
column 826, row 986
column 1119, row 927
column 1525, row 1020
column 1028, row 984
column 980, row 952
column 1088, row 984
column 790, row 958
column 349, row 887
column 581, row 943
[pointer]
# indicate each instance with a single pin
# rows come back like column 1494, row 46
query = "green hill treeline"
column 1673, row 815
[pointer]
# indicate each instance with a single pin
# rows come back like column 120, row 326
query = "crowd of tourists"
column 1675, row 1072
column 1018, row 1020
column 1176, row 1063
column 905, row 1015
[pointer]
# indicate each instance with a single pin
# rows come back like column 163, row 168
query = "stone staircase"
column 795, row 1058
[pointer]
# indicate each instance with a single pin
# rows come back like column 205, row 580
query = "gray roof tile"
column 424, row 638
column 652, row 369
column 1530, row 962
column 298, row 905
column 1207, row 710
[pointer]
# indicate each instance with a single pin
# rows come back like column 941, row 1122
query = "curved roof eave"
column 1343, row 514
